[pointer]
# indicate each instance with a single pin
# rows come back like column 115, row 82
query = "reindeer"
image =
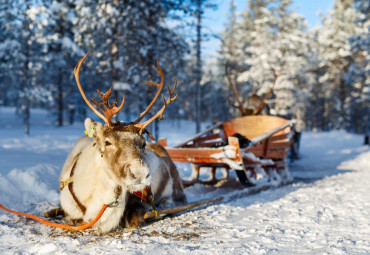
column 253, row 105
column 113, row 162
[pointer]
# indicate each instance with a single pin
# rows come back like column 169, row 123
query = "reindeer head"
column 254, row 104
column 121, row 145
column 121, row 154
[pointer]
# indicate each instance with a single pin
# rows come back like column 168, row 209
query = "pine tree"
column 336, row 56
column 291, row 53
column 10, row 47
column 60, row 56
column 196, row 10
column 359, row 71
column 271, row 41
column 21, row 58
column 127, row 38
column 228, row 62
column 316, row 115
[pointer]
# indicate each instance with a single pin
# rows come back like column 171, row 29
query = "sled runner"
column 256, row 147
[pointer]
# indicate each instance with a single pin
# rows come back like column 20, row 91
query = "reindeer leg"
column 134, row 212
column 55, row 212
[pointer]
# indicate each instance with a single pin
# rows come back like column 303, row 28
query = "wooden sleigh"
column 256, row 147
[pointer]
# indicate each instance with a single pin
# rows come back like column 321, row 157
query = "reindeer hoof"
column 53, row 213
column 133, row 221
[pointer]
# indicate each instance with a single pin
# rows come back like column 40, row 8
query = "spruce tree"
column 126, row 38
column 22, row 60
column 335, row 53
column 60, row 56
column 271, row 41
column 359, row 71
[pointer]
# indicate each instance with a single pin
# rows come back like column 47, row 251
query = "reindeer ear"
column 90, row 127
column 95, row 130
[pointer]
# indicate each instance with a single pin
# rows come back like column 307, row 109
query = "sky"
column 214, row 20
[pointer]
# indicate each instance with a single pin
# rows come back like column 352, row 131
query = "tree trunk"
column 25, row 84
column 26, row 115
column 71, row 115
column 156, row 129
column 342, row 97
column 60, row 105
column 198, row 68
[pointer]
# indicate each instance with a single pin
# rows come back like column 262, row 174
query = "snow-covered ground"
column 325, row 211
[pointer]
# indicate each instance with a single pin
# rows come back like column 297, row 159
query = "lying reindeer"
column 113, row 162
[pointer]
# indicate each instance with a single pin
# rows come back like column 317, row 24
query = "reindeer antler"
column 239, row 104
column 261, row 105
column 141, row 126
column 110, row 110
column 159, row 86
column 107, row 114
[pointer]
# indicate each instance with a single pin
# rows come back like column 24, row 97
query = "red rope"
column 58, row 225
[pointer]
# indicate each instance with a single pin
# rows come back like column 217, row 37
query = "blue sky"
column 214, row 20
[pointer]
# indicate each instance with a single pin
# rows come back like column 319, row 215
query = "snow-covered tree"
column 271, row 40
column 336, row 55
column 359, row 71
column 20, row 50
column 214, row 103
column 126, row 38
column 60, row 54
column 228, row 37
column 228, row 61
column 235, row 49
column 291, row 51
column 10, row 48
column 316, row 116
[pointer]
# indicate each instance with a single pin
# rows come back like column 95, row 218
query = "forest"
column 320, row 76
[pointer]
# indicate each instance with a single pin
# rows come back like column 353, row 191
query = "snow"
column 122, row 86
column 229, row 152
column 325, row 211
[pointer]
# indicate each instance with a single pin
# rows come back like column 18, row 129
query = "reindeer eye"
column 107, row 143
column 132, row 176
column 143, row 145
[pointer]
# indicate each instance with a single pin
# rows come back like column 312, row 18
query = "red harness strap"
column 147, row 195
column 143, row 194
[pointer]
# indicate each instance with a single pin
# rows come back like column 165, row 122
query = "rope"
column 58, row 225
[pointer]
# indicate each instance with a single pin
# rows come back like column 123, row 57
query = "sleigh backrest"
column 274, row 146
column 253, row 126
